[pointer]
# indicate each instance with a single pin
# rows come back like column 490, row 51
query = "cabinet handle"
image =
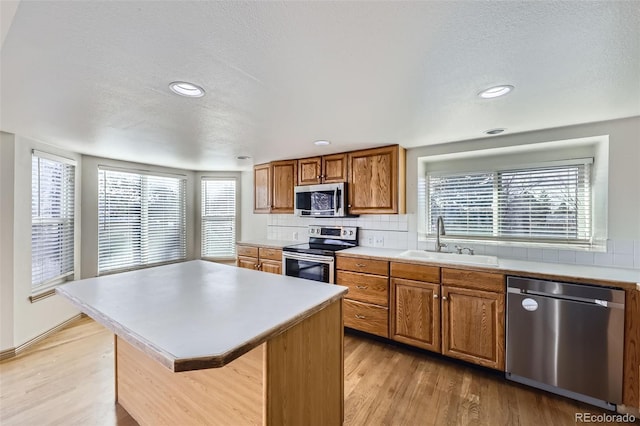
column 444, row 297
column 257, row 266
column 360, row 316
column 435, row 296
column 362, row 287
column 361, row 265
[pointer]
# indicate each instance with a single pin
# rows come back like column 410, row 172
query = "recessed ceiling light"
column 243, row 157
column 495, row 91
column 321, row 143
column 187, row 89
column 494, row 131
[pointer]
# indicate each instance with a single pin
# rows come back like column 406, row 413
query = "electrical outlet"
column 370, row 241
column 295, row 236
column 379, row 241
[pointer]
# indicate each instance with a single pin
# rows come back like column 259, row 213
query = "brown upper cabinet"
column 327, row 169
column 377, row 180
column 273, row 186
column 262, row 188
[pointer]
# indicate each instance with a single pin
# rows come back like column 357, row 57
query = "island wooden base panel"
column 67, row 379
column 293, row 379
column 154, row 395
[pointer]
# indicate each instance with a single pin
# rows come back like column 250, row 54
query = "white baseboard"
column 12, row 352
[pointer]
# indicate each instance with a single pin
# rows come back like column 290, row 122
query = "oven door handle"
column 308, row 257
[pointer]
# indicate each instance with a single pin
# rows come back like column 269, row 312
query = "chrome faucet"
column 439, row 232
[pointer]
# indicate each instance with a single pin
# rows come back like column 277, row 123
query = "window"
column 218, row 217
column 550, row 203
column 141, row 219
column 52, row 220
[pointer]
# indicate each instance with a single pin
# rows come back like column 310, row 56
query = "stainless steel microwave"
column 327, row 200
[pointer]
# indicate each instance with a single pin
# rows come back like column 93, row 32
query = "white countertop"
column 198, row 311
column 269, row 243
column 588, row 272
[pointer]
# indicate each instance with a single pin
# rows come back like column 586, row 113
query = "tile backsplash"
column 392, row 231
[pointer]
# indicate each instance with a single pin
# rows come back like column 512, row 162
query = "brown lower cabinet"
column 264, row 259
column 366, row 305
column 473, row 326
column 449, row 311
column 416, row 317
column 366, row 317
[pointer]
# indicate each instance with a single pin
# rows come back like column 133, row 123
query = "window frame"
column 497, row 206
column 46, row 287
column 480, row 155
column 202, row 201
column 183, row 181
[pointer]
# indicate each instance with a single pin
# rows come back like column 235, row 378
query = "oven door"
column 308, row 266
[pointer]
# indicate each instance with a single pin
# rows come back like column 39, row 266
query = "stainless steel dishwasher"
column 566, row 338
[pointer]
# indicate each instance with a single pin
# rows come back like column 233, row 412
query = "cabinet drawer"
column 271, row 266
column 369, row 266
column 412, row 271
column 366, row 317
column 247, row 262
column 270, row 253
column 473, row 279
column 247, row 251
column 365, row 288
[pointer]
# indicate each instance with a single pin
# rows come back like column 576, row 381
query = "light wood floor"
column 67, row 379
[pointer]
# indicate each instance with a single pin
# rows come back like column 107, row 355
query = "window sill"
column 597, row 247
column 43, row 294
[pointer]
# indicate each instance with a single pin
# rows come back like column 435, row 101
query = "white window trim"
column 47, row 288
column 597, row 145
column 185, row 206
column 237, row 180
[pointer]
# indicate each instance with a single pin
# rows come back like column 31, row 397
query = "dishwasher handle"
column 599, row 302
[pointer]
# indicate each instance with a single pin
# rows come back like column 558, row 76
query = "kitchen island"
column 204, row 343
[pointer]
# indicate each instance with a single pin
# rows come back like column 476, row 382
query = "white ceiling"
column 92, row 76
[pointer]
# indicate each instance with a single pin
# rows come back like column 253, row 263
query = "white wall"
column 28, row 319
column 89, row 207
column 7, row 146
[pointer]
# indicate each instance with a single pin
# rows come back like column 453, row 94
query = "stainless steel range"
column 315, row 260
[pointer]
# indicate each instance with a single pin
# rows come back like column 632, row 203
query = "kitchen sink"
column 465, row 259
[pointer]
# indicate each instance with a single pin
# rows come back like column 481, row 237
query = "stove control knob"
column 350, row 232
column 344, row 232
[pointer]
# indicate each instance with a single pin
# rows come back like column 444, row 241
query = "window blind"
column 529, row 204
column 218, row 217
column 52, row 220
column 141, row 219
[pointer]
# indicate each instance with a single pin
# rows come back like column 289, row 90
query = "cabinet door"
column 415, row 313
column 247, row 262
column 334, row 168
column 271, row 266
column 373, row 181
column 285, row 176
column 309, row 171
column 473, row 326
column 262, row 188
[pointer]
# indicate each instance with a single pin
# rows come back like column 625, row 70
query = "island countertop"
column 198, row 314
